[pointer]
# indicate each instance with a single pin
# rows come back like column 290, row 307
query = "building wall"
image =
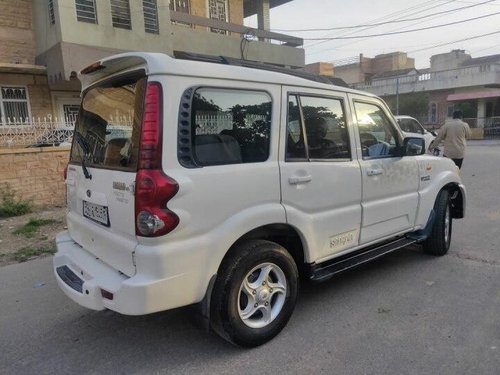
column 321, row 68
column 35, row 174
column 38, row 91
column 17, row 44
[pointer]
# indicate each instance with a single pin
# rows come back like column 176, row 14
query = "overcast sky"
column 307, row 14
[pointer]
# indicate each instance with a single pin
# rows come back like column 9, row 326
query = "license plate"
column 96, row 212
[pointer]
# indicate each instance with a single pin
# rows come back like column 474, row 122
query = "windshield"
column 410, row 126
column 108, row 128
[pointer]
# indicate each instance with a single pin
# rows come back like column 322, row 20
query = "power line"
column 455, row 41
column 404, row 31
column 386, row 22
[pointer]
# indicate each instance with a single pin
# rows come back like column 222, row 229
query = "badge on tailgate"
column 96, row 212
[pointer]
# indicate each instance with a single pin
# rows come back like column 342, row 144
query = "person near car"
column 453, row 134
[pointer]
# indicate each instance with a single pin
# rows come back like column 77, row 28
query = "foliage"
column 12, row 206
column 29, row 229
column 414, row 104
column 26, row 253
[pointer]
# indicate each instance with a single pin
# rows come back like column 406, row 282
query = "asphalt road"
column 407, row 313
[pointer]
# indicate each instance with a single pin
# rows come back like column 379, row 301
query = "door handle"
column 374, row 172
column 299, row 180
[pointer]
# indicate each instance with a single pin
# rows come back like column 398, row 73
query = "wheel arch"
column 457, row 198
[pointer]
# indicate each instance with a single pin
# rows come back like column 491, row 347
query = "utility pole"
column 397, row 96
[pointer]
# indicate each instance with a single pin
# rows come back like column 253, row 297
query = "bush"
column 12, row 206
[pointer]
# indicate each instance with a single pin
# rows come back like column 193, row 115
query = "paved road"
column 408, row 313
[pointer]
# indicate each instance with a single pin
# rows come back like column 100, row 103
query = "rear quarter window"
column 225, row 126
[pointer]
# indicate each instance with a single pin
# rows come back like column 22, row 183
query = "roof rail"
column 258, row 65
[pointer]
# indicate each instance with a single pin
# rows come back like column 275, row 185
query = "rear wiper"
column 84, row 145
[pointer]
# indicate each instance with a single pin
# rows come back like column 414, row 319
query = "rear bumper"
column 83, row 277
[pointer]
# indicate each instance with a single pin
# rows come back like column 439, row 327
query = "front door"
column 390, row 182
column 320, row 179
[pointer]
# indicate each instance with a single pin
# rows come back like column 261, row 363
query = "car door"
column 390, row 182
column 320, row 179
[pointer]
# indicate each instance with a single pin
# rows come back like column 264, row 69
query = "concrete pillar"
column 481, row 113
column 263, row 20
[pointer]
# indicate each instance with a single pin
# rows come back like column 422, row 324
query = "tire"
column 439, row 240
column 254, row 294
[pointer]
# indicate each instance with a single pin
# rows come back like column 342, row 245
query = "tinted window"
column 108, row 127
column 377, row 134
column 410, row 125
column 230, row 126
column 324, row 126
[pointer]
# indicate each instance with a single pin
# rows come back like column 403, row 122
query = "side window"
column 324, row 125
column 377, row 134
column 230, row 126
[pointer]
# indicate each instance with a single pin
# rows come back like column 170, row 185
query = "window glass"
column 294, row 131
column 325, row 128
column 230, row 126
column 14, row 105
column 409, row 125
column 150, row 9
column 377, row 134
column 120, row 14
column 433, row 113
column 85, row 11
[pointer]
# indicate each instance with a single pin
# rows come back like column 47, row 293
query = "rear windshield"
column 410, row 126
column 108, row 128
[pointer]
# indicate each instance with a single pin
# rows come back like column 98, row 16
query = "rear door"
column 102, row 170
column 320, row 179
column 390, row 182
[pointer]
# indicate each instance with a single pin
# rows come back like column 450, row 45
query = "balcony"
column 204, row 35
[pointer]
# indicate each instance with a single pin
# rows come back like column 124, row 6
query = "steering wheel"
column 367, row 140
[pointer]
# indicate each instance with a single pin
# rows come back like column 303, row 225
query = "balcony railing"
column 189, row 19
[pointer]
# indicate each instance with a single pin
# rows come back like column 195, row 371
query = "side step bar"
column 324, row 270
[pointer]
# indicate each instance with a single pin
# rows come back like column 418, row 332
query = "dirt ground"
column 16, row 246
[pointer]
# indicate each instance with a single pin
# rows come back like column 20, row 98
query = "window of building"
column 52, row 17
column 377, row 134
column 86, row 11
column 228, row 126
column 433, row 113
column 120, row 14
column 316, row 129
column 179, row 6
column 217, row 9
column 14, row 105
column 150, row 9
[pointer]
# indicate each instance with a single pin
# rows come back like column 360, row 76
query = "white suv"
column 412, row 128
column 193, row 182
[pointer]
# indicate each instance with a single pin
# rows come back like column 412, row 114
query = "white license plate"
column 96, row 212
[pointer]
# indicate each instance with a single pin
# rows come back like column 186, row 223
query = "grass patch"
column 31, row 227
column 12, row 206
column 27, row 253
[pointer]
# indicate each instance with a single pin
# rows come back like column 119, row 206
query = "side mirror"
column 433, row 132
column 413, row 146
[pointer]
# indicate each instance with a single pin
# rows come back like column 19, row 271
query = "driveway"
column 408, row 313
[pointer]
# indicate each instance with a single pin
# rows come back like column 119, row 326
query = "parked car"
column 232, row 185
column 411, row 128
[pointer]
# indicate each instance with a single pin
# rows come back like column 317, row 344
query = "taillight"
column 65, row 173
column 153, row 187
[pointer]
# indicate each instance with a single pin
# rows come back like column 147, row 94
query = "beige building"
column 44, row 43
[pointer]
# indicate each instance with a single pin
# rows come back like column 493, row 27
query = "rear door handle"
column 299, row 180
column 374, row 172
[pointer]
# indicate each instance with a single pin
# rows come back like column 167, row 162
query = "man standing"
column 453, row 134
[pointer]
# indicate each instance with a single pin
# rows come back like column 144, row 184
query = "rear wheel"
column 254, row 294
column 439, row 240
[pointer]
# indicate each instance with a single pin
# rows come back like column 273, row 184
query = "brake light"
column 65, row 173
column 153, row 187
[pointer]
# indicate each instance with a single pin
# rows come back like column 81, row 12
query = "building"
column 44, row 43
column 454, row 80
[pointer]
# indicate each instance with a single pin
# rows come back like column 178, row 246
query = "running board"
column 324, row 270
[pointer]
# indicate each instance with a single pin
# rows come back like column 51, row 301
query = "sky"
column 326, row 14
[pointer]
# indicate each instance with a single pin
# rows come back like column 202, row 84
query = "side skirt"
column 324, row 270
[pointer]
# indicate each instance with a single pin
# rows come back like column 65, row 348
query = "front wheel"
column 439, row 240
column 254, row 294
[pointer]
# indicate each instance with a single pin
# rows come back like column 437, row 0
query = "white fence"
column 35, row 132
